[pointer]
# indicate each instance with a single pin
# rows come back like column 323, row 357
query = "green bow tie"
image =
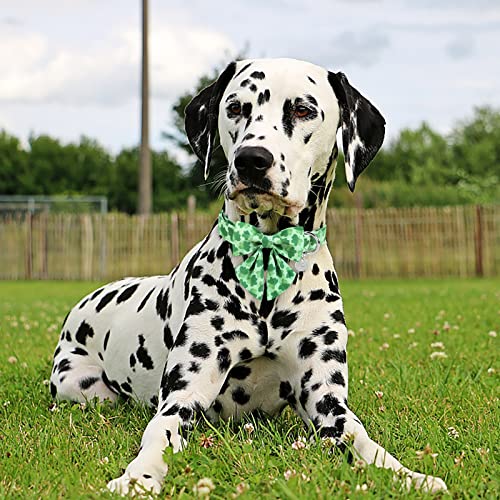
column 291, row 244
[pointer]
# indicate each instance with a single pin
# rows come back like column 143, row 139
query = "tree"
column 13, row 164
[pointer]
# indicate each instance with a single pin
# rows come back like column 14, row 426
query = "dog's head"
column 277, row 120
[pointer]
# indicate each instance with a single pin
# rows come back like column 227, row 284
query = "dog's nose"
column 253, row 161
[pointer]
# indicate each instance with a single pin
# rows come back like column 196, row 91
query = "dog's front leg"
column 320, row 389
column 194, row 374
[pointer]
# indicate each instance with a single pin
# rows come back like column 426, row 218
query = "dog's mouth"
column 250, row 199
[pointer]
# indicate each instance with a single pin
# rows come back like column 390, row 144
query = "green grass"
column 71, row 452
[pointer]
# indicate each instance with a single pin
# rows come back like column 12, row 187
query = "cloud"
column 461, row 48
column 362, row 48
column 108, row 73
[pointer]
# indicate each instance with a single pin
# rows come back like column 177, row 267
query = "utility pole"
column 145, row 177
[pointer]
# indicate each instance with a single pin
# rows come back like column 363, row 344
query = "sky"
column 72, row 67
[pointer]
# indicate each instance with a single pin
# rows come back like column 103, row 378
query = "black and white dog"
column 196, row 340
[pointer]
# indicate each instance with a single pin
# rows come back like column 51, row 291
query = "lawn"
column 437, row 413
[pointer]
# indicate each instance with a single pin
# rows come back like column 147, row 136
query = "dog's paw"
column 140, row 486
column 428, row 484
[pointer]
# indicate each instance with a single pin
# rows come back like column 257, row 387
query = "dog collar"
column 292, row 243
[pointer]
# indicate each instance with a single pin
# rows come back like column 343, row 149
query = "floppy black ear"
column 202, row 114
column 363, row 127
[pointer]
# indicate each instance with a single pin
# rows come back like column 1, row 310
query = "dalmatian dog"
column 198, row 342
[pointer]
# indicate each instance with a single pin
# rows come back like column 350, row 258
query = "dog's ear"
column 202, row 115
column 363, row 127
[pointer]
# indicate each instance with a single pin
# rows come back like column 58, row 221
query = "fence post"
column 478, row 240
column 358, row 237
column 175, row 237
column 191, row 207
column 29, row 246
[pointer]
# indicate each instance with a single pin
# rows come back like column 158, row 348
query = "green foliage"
column 67, row 451
column 418, row 167
column 423, row 167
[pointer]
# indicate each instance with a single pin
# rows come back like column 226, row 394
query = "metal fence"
column 365, row 243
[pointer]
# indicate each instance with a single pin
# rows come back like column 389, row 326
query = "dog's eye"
column 234, row 108
column 302, row 112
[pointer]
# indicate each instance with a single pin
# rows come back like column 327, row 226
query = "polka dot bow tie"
column 289, row 244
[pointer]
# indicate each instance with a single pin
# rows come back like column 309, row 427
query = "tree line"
column 418, row 167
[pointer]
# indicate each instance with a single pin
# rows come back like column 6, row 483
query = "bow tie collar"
column 290, row 244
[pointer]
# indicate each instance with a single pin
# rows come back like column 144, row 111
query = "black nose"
column 252, row 162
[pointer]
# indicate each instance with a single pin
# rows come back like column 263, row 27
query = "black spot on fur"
column 105, row 300
column 239, row 396
column 315, row 269
column 307, row 348
column 143, row 356
column 337, row 355
column 305, row 378
column 64, row 366
column 311, row 80
column 337, row 378
column 240, row 372
column 243, row 69
column 53, row 390
column 126, row 387
column 181, row 338
column 283, row 319
column 106, row 339
column 145, row 299
column 233, row 307
column 287, row 119
column 330, row 337
column 246, row 110
column 168, row 338
column 194, row 367
column 217, row 322
column 245, row 354
column 259, row 75
column 96, row 293
column 68, row 336
column 87, row 382
column 127, row 293
column 224, row 359
column 234, row 334
column 83, row 333
column 307, row 138
column 196, row 306
column 173, row 381
column 199, row 350
column 329, row 404
column 338, row 316
column 317, row 294
column 79, row 351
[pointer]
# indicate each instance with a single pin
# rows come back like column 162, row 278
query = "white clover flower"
column 437, row 345
column 438, row 355
column 289, row 473
column 249, row 428
column 363, row 487
column 411, row 330
column 491, row 371
column 453, row 433
column 379, row 394
column 12, row 360
column 203, row 487
column 492, row 334
column 384, row 346
column 300, row 444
